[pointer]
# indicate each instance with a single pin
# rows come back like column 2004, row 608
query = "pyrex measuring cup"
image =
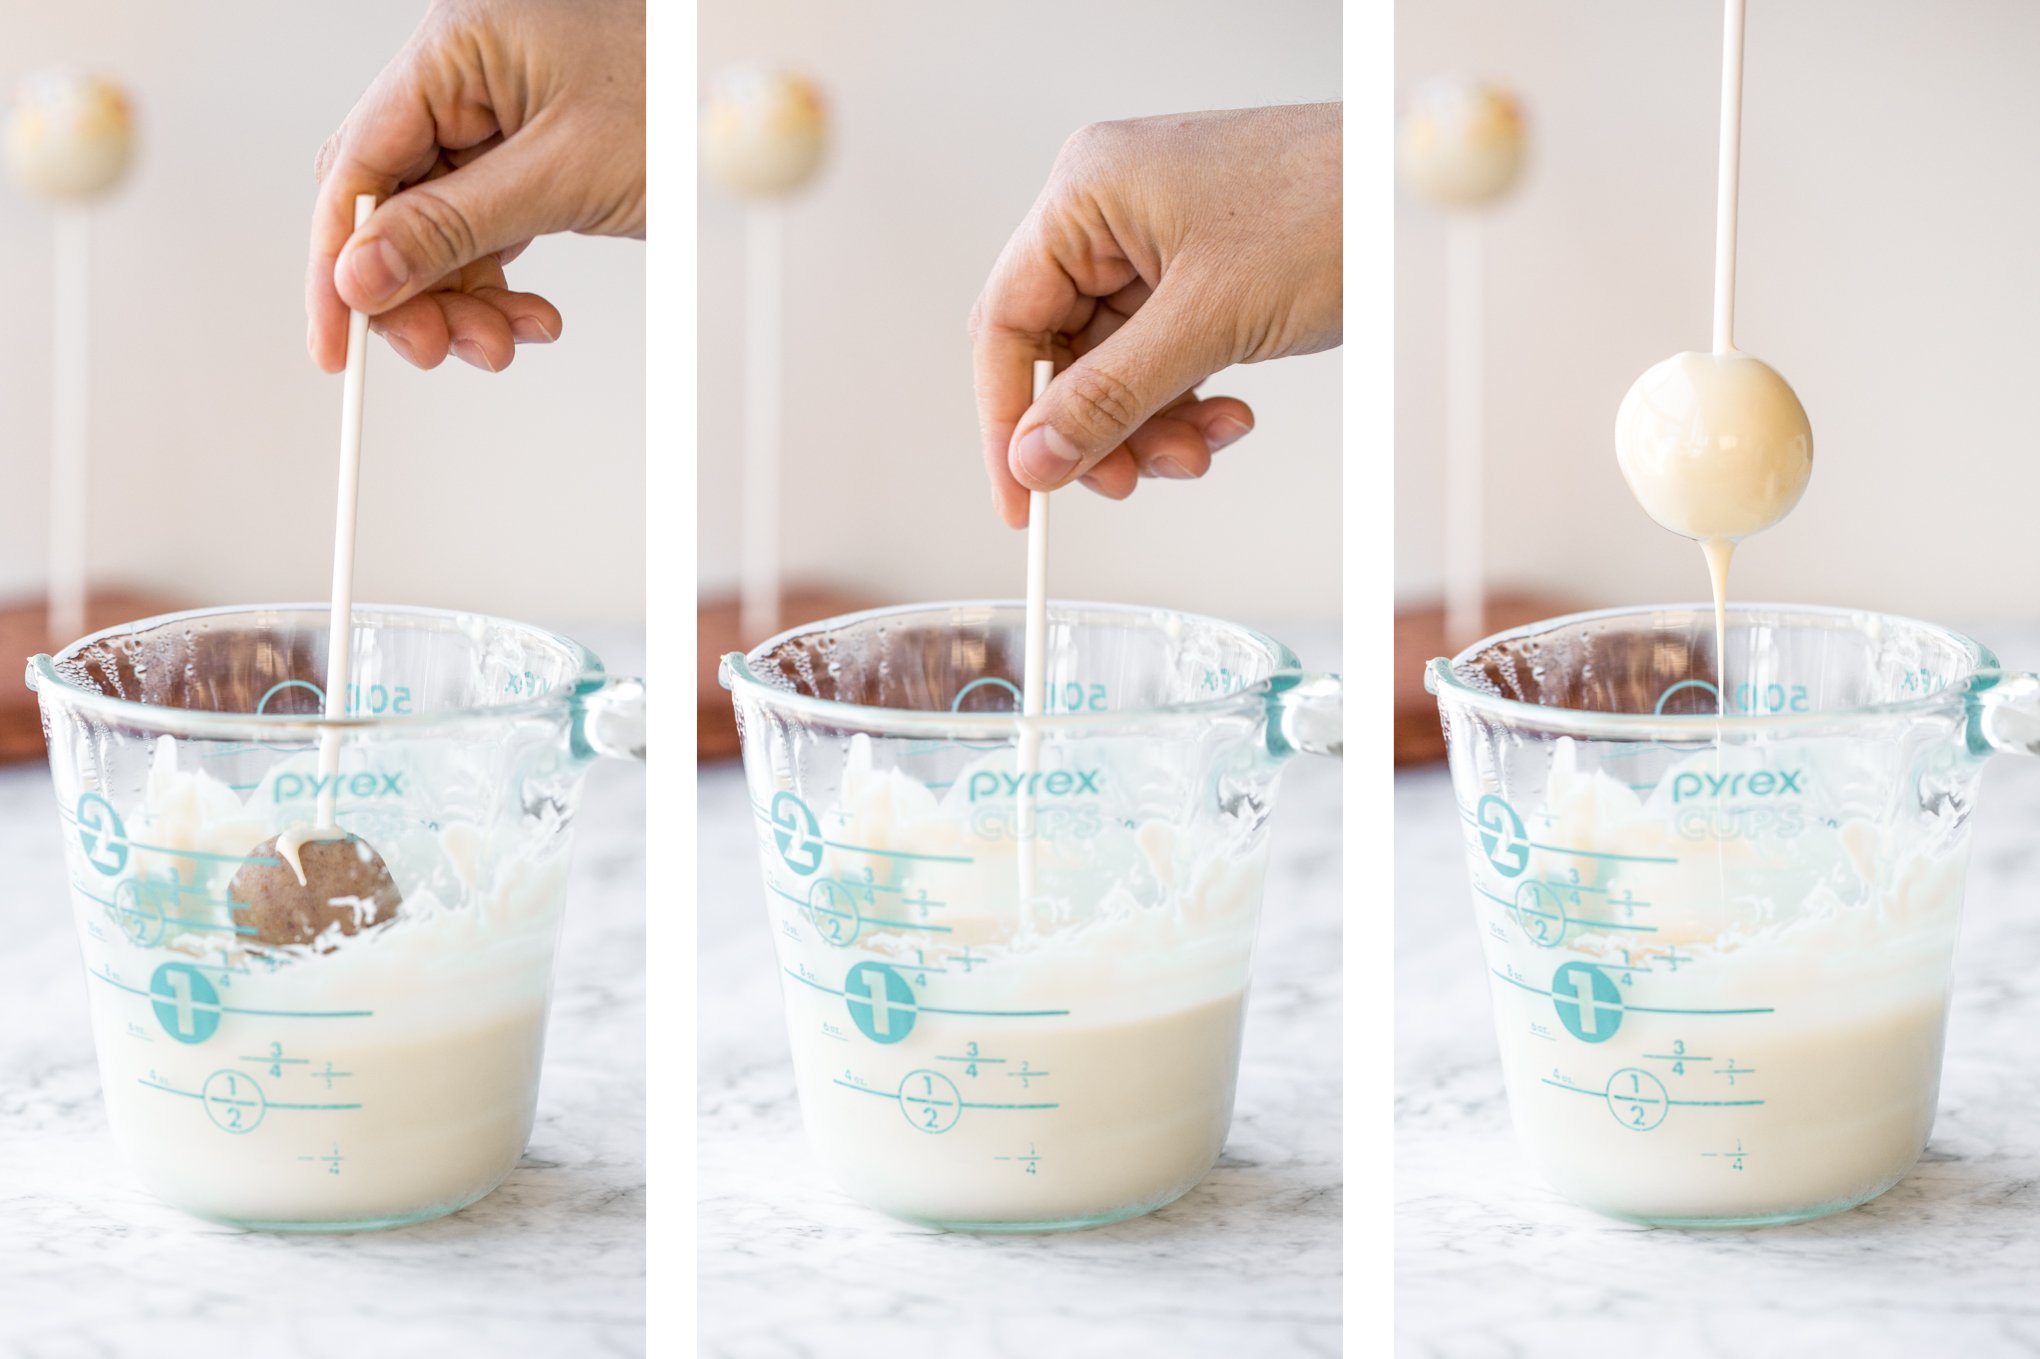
column 965, row 1056
column 361, row 1081
column 1720, row 946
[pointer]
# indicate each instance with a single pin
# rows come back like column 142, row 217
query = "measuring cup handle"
column 2004, row 713
column 1306, row 715
column 609, row 718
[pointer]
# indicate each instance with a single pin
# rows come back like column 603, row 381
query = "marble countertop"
column 552, row 1263
column 1247, row 1263
column 1491, row 1262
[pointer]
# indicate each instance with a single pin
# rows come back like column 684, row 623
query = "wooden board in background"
column 1419, row 639
column 715, row 719
column 24, row 632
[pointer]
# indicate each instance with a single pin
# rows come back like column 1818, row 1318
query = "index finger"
column 386, row 140
column 1024, row 301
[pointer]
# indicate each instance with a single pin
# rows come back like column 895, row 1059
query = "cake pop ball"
column 69, row 135
column 1461, row 142
column 762, row 132
column 1714, row 446
column 344, row 883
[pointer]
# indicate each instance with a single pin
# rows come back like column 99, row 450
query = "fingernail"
column 1045, row 456
column 531, row 330
column 1169, row 467
column 379, row 271
column 403, row 348
column 467, row 351
column 1227, row 430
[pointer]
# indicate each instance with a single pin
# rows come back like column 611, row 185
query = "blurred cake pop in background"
column 763, row 132
column 1461, row 142
column 70, row 135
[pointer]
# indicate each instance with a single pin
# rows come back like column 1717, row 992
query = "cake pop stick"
column 1461, row 147
column 69, row 141
column 340, row 616
column 1728, row 176
column 310, row 880
column 762, row 137
column 764, row 270
column 1465, row 418
column 1716, row 446
column 70, row 404
column 1033, row 658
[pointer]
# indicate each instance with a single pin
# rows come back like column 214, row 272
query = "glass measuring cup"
column 1720, row 946
column 365, row 1081
column 967, row 1055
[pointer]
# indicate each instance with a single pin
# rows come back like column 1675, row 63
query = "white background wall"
column 1888, row 269
column 214, row 437
column 947, row 117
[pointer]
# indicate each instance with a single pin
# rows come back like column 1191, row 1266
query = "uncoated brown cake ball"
column 338, row 873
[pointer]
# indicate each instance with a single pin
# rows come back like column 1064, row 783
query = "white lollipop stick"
column 340, row 627
column 1465, row 483
column 1731, row 164
column 758, row 572
column 71, row 362
column 1034, row 657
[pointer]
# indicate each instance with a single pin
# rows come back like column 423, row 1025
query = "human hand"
column 1161, row 250
column 499, row 121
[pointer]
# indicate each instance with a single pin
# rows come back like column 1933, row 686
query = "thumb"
column 420, row 234
column 1098, row 401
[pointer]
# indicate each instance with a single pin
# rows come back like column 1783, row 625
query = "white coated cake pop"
column 763, row 132
column 1714, row 446
column 69, row 136
column 1461, row 142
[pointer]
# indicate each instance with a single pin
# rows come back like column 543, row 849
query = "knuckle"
column 441, row 227
column 1100, row 404
column 1087, row 146
column 322, row 163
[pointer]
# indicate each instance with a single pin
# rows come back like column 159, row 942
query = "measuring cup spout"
column 2004, row 713
column 1306, row 715
column 609, row 717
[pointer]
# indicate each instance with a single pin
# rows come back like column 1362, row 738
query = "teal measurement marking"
column 807, row 905
column 1625, row 1005
column 916, row 1099
column 279, row 1061
column 185, row 921
column 764, row 815
column 244, row 1103
column 1579, row 920
column 936, row 1009
column 71, row 818
column 236, row 1009
column 1609, row 892
column 1652, row 1099
column 1468, row 817
column 1674, row 1057
column 989, row 1061
column 1599, row 854
column 901, row 854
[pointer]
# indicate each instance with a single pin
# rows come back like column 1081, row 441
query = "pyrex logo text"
column 1763, row 783
column 1051, row 783
column 290, row 787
